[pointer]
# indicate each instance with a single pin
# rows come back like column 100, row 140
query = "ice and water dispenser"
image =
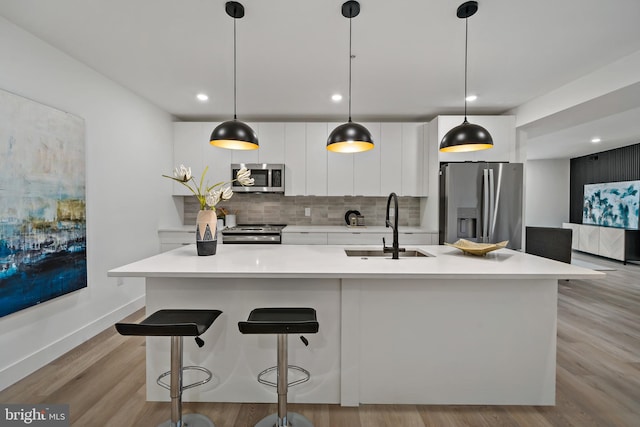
column 467, row 223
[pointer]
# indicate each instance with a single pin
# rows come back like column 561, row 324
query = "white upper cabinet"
column 316, row 159
column 248, row 156
column 339, row 169
column 366, row 165
column 390, row 148
column 271, row 139
column 191, row 148
column 295, row 153
column 501, row 128
column 397, row 163
column 218, row 159
column 414, row 163
column 187, row 150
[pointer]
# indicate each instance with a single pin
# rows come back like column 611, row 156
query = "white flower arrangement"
column 209, row 196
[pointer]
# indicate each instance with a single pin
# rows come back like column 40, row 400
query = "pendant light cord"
column 350, row 59
column 466, row 42
column 235, row 117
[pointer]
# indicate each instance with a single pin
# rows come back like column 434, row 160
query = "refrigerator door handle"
column 485, row 206
column 492, row 207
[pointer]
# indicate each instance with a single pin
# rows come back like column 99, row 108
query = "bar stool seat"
column 177, row 324
column 282, row 321
column 287, row 320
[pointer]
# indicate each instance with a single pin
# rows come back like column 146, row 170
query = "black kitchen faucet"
column 395, row 248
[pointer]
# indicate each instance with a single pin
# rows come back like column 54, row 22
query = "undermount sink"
column 379, row 253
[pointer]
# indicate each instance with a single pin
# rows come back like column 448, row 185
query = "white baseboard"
column 31, row 363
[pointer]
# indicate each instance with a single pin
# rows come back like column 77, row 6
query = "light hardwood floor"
column 598, row 375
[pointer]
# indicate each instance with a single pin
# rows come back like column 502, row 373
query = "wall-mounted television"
column 612, row 204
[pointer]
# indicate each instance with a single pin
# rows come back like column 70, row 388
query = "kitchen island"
column 449, row 328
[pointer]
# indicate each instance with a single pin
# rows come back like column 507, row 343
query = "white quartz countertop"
column 326, row 261
column 179, row 228
column 318, row 229
column 348, row 229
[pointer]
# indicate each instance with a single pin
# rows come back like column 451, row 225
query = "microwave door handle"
column 485, row 205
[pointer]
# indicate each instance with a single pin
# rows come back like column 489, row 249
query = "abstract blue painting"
column 612, row 204
column 42, row 203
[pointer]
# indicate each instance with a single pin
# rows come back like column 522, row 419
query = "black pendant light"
column 234, row 134
column 467, row 136
column 350, row 137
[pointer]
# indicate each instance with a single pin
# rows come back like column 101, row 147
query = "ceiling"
column 293, row 55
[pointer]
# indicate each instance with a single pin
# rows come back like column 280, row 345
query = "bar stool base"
column 295, row 420
column 191, row 420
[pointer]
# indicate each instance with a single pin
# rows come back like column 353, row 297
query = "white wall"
column 547, row 195
column 610, row 78
column 128, row 147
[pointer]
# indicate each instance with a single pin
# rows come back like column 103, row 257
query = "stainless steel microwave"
column 268, row 177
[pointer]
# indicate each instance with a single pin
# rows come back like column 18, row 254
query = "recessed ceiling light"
column 202, row 97
column 595, row 140
column 471, row 98
column 336, row 97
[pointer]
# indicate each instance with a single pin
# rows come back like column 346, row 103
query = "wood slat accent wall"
column 620, row 164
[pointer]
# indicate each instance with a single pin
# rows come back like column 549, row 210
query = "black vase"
column 206, row 248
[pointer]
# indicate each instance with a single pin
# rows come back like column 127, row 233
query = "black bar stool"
column 177, row 324
column 282, row 321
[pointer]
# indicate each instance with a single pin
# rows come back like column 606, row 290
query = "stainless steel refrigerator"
column 481, row 202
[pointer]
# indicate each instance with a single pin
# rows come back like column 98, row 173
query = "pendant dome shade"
column 350, row 138
column 466, row 136
column 235, row 135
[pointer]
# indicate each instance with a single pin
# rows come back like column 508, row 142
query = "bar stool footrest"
column 167, row 386
column 306, row 376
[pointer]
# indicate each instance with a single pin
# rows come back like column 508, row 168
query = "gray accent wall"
column 256, row 208
column 620, row 164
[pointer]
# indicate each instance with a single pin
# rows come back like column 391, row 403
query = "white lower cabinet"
column 417, row 239
column 174, row 239
column 589, row 240
column 170, row 239
column 356, row 238
column 610, row 242
column 575, row 234
column 304, row 238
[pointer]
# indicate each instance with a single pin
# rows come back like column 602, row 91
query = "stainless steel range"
column 253, row 233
